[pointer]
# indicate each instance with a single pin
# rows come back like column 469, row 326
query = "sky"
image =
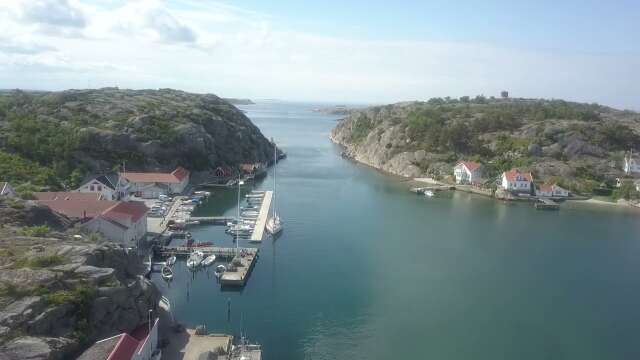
column 333, row 51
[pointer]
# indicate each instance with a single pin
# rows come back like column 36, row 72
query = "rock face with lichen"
column 580, row 145
column 60, row 293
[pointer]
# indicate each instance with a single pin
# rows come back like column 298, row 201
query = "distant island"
column 581, row 147
column 235, row 101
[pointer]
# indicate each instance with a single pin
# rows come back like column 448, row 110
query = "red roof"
column 125, row 212
column 176, row 176
column 513, row 173
column 180, row 173
column 470, row 165
column 78, row 209
column 545, row 187
column 61, row 195
column 125, row 348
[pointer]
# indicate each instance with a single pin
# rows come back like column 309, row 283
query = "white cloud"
column 51, row 13
column 213, row 47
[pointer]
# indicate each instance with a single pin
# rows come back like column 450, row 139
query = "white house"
column 551, row 190
column 152, row 185
column 7, row 190
column 515, row 180
column 105, row 185
column 467, row 172
column 125, row 222
column 631, row 164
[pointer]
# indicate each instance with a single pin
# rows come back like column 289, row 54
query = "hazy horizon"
column 356, row 52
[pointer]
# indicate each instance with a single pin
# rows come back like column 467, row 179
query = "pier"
column 214, row 220
column 185, row 251
column 421, row 190
column 240, row 268
column 263, row 215
column 546, row 204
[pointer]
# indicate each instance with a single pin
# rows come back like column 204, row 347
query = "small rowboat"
column 220, row 269
column 167, row 273
column 171, row 260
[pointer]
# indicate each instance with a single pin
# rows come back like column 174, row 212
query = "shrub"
column 36, row 231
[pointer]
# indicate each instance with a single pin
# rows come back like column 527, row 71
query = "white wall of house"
column 517, row 185
column 128, row 235
column 7, row 190
column 464, row 176
column 97, row 187
column 177, row 188
column 555, row 191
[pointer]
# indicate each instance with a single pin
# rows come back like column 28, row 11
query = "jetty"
column 261, row 220
column 214, row 220
column 422, row 189
column 546, row 204
column 240, row 268
column 185, row 251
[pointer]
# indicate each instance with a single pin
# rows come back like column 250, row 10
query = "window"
column 91, row 188
column 99, row 187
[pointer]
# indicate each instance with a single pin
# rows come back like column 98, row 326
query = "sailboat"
column 274, row 224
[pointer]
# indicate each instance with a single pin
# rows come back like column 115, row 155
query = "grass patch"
column 39, row 262
column 35, row 231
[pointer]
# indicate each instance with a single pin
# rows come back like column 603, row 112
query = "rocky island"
column 55, row 138
column 577, row 145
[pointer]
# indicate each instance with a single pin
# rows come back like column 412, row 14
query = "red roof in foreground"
column 156, row 177
column 125, row 348
column 470, row 165
column 513, row 173
column 125, row 211
column 78, row 209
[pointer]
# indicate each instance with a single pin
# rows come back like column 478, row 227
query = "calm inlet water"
column 366, row 270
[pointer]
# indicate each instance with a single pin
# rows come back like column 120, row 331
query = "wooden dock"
column 263, row 215
column 546, row 204
column 421, row 190
column 221, row 252
column 215, row 220
column 240, row 268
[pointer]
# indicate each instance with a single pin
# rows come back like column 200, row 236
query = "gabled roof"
column 66, row 195
column 513, row 173
column 108, row 180
column 125, row 348
column 125, row 212
column 176, row 176
column 78, row 208
column 470, row 165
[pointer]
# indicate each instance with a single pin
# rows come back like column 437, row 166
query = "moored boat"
column 167, row 273
column 171, row 260
column 209, row 260
column 195, row 259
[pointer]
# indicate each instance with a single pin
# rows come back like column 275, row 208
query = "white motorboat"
column 274, row 224
column 428, row 193
column 209, row 260
column 171, row 260
column 167, row 273
column 195, row 259
column 220, row 269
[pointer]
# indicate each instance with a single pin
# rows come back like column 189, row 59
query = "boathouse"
column 139, row 344
column 151, row 185
column 551, row 190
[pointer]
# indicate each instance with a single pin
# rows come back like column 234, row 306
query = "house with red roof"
column 125, row 222
column 551, row 190
column 517, row 181
column 140, row 344
column 467, row 172
column 151, row 185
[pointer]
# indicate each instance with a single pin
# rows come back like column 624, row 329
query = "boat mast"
column 275, row 165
